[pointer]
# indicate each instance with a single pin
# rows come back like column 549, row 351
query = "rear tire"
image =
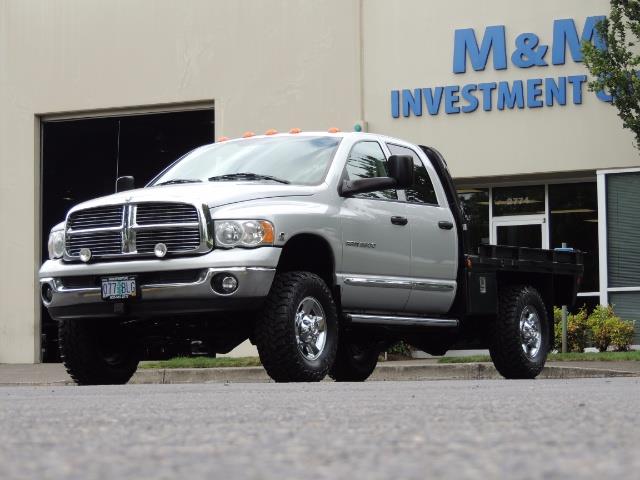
column 97, row 352
column 355, row 361
column 297, row 335
column 519, row 337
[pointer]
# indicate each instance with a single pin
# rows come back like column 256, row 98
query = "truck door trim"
column 408, row 283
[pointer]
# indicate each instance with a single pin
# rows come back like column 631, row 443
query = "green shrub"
column 399, row 348
column 602, row 329
column 609, row 330
column 577, row 330
column 622, row 335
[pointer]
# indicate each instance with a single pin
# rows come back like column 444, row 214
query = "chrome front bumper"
column 252, row 282
column 73, row 290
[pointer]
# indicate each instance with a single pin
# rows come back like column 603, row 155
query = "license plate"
column 118, row 288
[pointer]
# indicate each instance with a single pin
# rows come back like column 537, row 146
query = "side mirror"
column 125, row 183
column 366, row 185
column 401, row 169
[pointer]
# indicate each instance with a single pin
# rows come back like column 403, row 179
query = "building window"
column 524, row 200
column 573, row 220
column 623, row 246
column 475, row 206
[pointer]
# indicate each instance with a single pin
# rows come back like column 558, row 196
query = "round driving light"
column 160, row 250
column 224, row 283
column 47, row 293
column 229, row 284
column 85, row 254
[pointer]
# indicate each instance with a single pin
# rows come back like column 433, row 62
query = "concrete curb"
column 384, row 372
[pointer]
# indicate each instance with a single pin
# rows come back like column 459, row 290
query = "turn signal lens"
column 223, row 139
column 271, row 131
column 333, row 130
column 248, row 134
column 295, row 130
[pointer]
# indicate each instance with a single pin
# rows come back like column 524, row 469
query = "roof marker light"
column 248, row 134
column 333, row 130
column 295, row 130
column 271, row 131
column 222, row 139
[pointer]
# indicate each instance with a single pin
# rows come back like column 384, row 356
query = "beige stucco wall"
column 268, row 64
column 275, row 64
column 412, row 47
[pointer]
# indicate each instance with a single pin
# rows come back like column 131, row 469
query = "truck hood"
column 213, row 194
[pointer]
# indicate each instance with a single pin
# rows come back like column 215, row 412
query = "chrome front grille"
column 135, row 229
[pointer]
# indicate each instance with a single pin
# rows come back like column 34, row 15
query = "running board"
column 403, row 321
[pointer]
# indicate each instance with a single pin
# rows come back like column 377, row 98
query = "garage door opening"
column 81, row 159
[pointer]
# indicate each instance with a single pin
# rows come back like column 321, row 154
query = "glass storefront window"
column 573, row 209
column 523, row 200
column 475, row 205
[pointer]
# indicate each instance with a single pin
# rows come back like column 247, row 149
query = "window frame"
column 401, row 198
column 422, row 161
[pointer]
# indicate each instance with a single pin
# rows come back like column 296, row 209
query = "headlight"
column 56, row 244
column 243, row 233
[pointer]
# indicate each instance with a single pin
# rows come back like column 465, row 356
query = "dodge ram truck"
column 322, row 249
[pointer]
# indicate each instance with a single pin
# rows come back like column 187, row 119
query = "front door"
column 524, row 231
column 376, row 239
column 434, row 239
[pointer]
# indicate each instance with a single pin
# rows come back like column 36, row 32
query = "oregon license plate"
column 118, row 288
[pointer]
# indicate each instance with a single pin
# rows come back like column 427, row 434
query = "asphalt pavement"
column 580, row 428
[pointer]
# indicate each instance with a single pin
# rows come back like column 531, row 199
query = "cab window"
column 422, row 190
column 367, row 160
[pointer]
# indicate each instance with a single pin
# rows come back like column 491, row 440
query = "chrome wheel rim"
column 311, row 328
column 530, row 332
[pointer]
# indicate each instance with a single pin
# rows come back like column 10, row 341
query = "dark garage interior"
column 82, row 158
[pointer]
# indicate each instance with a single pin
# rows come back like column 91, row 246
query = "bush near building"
column 602, row 329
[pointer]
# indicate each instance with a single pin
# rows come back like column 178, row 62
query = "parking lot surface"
column 585, row 428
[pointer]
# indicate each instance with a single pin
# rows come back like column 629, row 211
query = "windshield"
column 300, row 160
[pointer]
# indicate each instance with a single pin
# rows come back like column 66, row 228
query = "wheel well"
column 310, row 253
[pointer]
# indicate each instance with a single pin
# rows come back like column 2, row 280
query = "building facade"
column 92, row 89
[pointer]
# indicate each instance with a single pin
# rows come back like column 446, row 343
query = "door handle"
column 399, row 220
column 445, row 225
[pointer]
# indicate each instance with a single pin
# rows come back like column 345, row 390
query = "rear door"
column 434, row 240
column 376, row 238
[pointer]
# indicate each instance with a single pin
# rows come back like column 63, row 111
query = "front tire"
column 97, row 352
column 519, row 337
column 297, row 335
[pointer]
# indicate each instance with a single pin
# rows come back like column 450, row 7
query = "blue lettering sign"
column 555, row 91
column 465, row 42
column 565, row 33
column 510, row 97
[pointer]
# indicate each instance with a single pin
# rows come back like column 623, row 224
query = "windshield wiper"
column 179, row 180
column 246, row 176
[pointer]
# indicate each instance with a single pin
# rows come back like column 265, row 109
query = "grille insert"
column 100, row 243
column 100, row 217
column 162, row 213
column 176, row 239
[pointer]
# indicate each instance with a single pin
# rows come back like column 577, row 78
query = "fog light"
column 47, row 293
column 85, row 254
column 229, row 284
column 224, row 283
column 160, row 250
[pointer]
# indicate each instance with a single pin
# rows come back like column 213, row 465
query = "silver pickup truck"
column 321, row 248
